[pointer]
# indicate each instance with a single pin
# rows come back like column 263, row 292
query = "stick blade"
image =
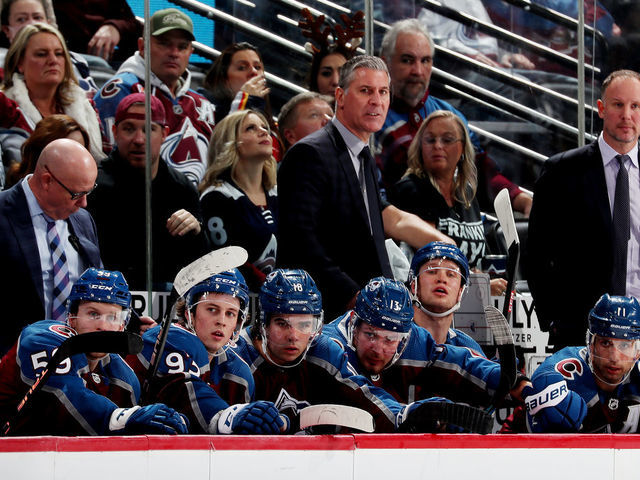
column 122, row 343
column 337, row 415
column 502, row 205
column 213, row 262
column 432, row 417
column 498, row 325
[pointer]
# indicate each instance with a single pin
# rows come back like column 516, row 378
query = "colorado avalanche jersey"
column 188, row 382
column 190, row 116
column 75, row 400
column 607, row 412
column 426, row 369
column 323, row 376
column 231, row 218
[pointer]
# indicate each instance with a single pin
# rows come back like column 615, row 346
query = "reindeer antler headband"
column 345, row 38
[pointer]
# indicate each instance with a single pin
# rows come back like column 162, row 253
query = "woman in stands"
column 239, row 201
column 40, row 79
column 47, row 130
column 440, row 185
column 236, row 81
column 17, row 14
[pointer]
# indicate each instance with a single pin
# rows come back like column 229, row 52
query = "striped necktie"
column 61, row 283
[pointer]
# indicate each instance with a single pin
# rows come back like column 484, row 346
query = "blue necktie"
column 621, row 229
column 61, row 283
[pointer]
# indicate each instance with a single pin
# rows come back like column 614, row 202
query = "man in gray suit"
column 332, row 220
column 56, row 193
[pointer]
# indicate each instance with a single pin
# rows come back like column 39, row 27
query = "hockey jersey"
column 323, row 376
column 607, row 412
column 426, row 369
column 190, row 116
column 75, row 400
column 188, row 382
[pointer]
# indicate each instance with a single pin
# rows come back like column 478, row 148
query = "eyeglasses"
column 445, row 141
column 74, row 195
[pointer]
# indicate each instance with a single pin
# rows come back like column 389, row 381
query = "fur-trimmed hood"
column 80, row 109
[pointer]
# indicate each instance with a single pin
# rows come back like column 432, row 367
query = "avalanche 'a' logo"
column 286, row 401
column 569, row 368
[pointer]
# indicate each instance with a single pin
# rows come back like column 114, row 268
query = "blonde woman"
column 238, row 192
column 440, row 185
column 39, row 77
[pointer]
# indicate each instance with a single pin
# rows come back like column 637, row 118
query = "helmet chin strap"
column 418, row 303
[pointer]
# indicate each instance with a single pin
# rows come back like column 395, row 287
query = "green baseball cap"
column 171, row 19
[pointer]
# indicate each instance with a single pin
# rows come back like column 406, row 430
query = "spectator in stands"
column 119, row 202
column 47, row 130
column 304, row 114
column 190, row 116
column 236, row 81
column 40, row 79
column 20, row 13
column 408, row 51
column 440, row 185
column 238, row 193
column 105, row 28
column 331, row 48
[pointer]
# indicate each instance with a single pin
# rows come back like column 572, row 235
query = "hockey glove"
column 555, row 409
column 258, row 418
column 154, row 418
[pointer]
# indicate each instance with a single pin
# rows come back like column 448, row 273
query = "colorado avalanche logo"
column 62, row 330
column 569, row 368
column 286, row 401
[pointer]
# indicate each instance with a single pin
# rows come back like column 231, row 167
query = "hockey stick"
column 122, row 343
column 506, row 350
column 337, row 415
column 432, row 417
column 213, row 262
column 502, row 205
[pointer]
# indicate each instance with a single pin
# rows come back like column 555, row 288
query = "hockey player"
column 438, row 278
column 199, row 372
column 89, row 394
column 592, row 389
column 295, row 366
column 385, row 345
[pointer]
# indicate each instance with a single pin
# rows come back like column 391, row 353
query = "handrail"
column 503, row 34
column 214, row 14
column 538, row 157
column 555, row 16
column 509, row 105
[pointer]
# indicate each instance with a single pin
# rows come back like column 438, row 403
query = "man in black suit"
column 571, row 234
column 57, row 191
column 332, row 220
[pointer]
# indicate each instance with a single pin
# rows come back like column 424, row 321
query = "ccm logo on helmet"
column 569, row 368
column 101, row 287
column 549, row 397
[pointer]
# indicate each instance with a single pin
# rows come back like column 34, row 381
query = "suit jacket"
column 21, row 290
column 323, row 226
column 570, row 246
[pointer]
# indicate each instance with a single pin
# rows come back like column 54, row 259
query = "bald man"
column 45, row 205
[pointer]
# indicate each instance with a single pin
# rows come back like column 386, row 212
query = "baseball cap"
column 170, row 19
column 157, row 109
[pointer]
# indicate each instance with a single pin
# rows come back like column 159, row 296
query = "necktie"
column 621, row 229
column 61, row 284
column 364, row 158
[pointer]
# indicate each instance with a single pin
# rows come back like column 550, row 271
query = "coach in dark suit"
column 571, row 241
column 64, row 170
column 332, row 220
